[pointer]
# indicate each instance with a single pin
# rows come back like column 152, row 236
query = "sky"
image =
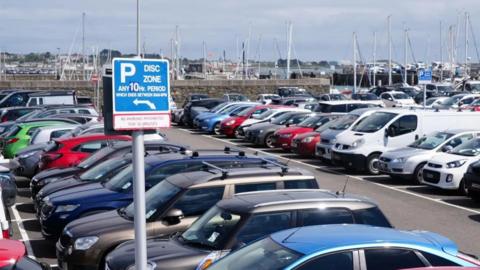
column 322, row 29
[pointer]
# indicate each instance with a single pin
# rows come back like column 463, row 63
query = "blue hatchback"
column 211, row 124
column 62, row 207
column 346, row 247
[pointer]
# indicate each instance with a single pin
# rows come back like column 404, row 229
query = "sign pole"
column 139, row 183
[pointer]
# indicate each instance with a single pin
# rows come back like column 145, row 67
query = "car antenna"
column 344, row 187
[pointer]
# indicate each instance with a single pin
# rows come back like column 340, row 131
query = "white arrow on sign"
column 145, row 102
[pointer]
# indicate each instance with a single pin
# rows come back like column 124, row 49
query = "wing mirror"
column 447, row 148
column 173, row 216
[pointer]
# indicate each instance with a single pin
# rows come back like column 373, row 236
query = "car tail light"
column 6, row 234
column 51, row 157
column 12, row 140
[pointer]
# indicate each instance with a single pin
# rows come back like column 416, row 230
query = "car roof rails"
column 207, row 165
column 226, row 150
column 276, row 164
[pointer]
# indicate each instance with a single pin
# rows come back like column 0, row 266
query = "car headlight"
column 307, row 140
column 399, row 160
column 27, row 155
column 84, row 243
column 150, row 266
column 456, row 163
column 358, row 143
column 66, row 208
column 333, row 141
column 46, row 200
column 286, row 135
column 229, row 123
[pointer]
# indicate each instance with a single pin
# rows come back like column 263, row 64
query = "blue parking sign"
column 424, row 76
column 141, row 93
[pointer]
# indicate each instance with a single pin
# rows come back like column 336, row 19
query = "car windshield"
column 227, row 109
column 283, row 119
column 155, row 199
column 218, row 107
column 469, row 149
column 98, row 172
column 431, row 141
column 123, row 180
column 444, row 88
column 401, row 96
column 326, row 126
column 452, row 100
column 344, row 122
column 212, row 230
column 91, row 160
column 311, row 121
column 245, row 112
column 261, row 255
column 475, row 103
column 430, row 101
column 374, row 122
column 266, row 114
column 474, row 86
column 12, row 131
column 2, row 97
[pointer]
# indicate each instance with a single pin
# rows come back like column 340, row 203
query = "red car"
column 304, row 144
column 69, row 152
column 13, row 255
column 283, row 137
column 228, row 127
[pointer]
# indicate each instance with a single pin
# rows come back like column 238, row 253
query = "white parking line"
column 358, row 178
column 23, row 232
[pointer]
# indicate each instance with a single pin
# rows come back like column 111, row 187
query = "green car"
column 18, row 137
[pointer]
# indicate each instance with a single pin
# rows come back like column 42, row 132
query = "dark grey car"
column 261, row 133
column 236, row 222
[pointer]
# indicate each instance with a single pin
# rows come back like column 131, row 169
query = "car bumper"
column 54, row 224
column 303, row 149
column 394, row 168
column 350, row 161
column 228, row 131
column 324, row 151
column 442, row 178
column 281, row 142
column 69, row 259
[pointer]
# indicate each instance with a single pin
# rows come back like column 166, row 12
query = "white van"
column 360, row 147
column 52, row 98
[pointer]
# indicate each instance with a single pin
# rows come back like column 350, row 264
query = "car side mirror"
column 447, row 148
column 173, row 216
column 387, row 133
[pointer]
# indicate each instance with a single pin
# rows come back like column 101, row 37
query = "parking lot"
column 407, row 206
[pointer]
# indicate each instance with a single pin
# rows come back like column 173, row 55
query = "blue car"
column 211, row 124
column 346, row 247
column 224, row 108
column 64, row 206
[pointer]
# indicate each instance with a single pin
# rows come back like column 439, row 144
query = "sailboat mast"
column 289, row 47
column 177, row 53
column 389, row 51
column 405, row 54
column 204, row 60
column 83, row 45
column 441, row 53
column 374, row 58
column 466, row 44
column 354, row 62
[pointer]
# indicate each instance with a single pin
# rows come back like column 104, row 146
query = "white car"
column 267, row 98
column 45, row 134
column 446, row 170
column 434, row 101
column 408, row 162
column 397, row 99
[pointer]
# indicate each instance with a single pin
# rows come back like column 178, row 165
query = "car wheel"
column 372, row 164
column 269, row 141
column 462, row 188
column 418, row 174
column 236, row 133
column 216, row 129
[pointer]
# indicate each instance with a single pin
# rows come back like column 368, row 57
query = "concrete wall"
column 180, row 89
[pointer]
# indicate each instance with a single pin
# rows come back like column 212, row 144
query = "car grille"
column 325, row 141
column 431, row 176
column 434, row 165
column 342, row 146
column 384, row 159
column 47, row 210
column 65, row 239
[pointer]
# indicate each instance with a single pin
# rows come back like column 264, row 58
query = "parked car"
column 212, row 124
column 52, row 97
column 65, row 153
column 292, row 91
column 50, row 110
column 446, row 170
column 235, row 97
column 84, row 129
column 13, row 256
column 195, row 107
column 364, row 96
column 336, row 246
column 330, row 97
column 14, row 97
column 18, row 137
column 472, row 180
column 474, row 106
column 304, row 144
column 245, row 218
column 79, row 118
column 186, row 194
column 84, row 100
column 48, row 133
column 427, row 94
column 378, row 90
column 440, row 87
column 261, row 133
column 345, row 106
column 283, row 137
column 397, row 99
column 328, row 137
column 229, row 127
column 408, row 162
column 293, row 101
column 457, row 101
column 13, row 113
column 266, row 99
column 410, row 91
column 359, row 148
column 56, row 210
column 434, row 101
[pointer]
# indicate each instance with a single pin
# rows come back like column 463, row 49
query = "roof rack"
column 274, row 163
column 226, row 150
column 207, row 165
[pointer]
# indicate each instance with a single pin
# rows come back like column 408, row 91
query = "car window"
column 57, row 133
column 391, row 259
column 430, row 87
column 261, row 225
column 325, row 216
column 301, row 184
column 197, row 201
column 459, row 140
column 239, row 188
column 371, row 216
column 82, row 111
column 403, row 125
column 32, row 130
column 435, row 260
column 66, row 111
column 16, row 100
column 90, row 147
column 336, row 261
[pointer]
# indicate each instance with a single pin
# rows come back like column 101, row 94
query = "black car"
column 472, row 180
column 236, row 222
column 193, row 108
column 365, row 96
column 378, row 90
column 13, row 113
column 117, row 149
column 429, row 93
column 14, row 98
